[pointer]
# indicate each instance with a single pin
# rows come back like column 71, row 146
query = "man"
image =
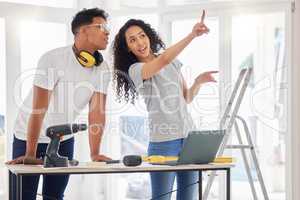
column 67, row 79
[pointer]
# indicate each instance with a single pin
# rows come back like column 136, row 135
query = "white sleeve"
column 103, row 78
column 46, row 76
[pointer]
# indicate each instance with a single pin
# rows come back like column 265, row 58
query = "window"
column 259, row 40
column 116, row 23
column 120, row 4
column 137, row 3
column 52, row 3
column 193, row 2
column 36, row 39
column 2, row 105
column 183, row 2
column 201, row 55
column 127, row 132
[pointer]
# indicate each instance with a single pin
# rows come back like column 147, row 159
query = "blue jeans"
column 53, row 185
column 162, row 182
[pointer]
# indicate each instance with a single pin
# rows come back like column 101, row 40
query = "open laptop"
column 200, row 147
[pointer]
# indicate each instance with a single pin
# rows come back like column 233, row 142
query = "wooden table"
column 92, row 168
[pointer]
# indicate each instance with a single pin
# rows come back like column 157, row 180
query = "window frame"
column 224, row 12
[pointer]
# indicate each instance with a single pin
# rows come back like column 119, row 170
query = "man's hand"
column 200, row 28
column 206, row 77
column 26, row 160
column 99, row 158
column 19, row 160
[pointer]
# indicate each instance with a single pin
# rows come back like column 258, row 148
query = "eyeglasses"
column 102, row 27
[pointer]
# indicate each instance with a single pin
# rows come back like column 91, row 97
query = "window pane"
column 2, row 68
column 36, row 39
column 2, row 105
column 129, row 132
column 51, row 3
column 189, row 2
column 116, row 23
column 138, row 3
column 258, row 40
column 139, row 108
column 201, row 55
column 119, row 4
column 184, row 2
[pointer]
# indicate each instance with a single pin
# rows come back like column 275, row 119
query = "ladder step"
column 239, row 146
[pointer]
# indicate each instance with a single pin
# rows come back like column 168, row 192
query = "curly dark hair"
column 123, row 59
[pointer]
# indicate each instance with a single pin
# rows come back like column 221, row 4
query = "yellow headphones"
column 87, row 59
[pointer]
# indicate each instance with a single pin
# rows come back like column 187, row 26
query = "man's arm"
column 40, row 103
column 96, row 120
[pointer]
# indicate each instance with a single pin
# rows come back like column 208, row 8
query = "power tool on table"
column 55, row 133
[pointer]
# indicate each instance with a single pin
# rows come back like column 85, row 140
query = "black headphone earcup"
column 98, row 57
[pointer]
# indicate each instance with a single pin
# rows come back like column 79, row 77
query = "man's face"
column 97, row 33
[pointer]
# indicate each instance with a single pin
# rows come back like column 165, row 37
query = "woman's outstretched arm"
column 151, row 68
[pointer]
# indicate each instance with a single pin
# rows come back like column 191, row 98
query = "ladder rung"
column 239, row 146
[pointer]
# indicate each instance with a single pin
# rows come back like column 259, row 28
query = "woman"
column 140, row 69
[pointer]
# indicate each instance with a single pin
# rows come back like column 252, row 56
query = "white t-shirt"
column 72, row 87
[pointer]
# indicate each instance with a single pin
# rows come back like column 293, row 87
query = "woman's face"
column 138, row 43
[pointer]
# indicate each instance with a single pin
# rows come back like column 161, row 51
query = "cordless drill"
column 55, row 133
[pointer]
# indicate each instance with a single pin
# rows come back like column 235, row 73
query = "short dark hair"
column 85, row 17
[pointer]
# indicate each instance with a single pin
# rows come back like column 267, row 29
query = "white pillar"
column 13, row 68
column 295, row 107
